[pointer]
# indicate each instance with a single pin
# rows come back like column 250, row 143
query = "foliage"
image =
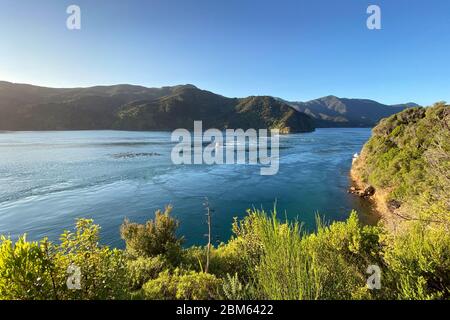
column 184, row 286
column 26, row 270
column 143, row 269
column 288, row 264
column 408, row 156
column 225, row 258
column 153, row 238
column 419, row 261
column 103, row 270
column 233, row 289
column 39, row 270
column 128, row 107
column 266, row 259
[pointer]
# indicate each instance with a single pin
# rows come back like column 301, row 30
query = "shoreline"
column 377, row 198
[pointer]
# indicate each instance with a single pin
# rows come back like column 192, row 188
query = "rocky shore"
column 386, row 209
column 365, row 193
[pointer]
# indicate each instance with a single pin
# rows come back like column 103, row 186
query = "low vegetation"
column 265, row 259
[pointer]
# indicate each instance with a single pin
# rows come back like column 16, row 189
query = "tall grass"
column 286, row 271
column 327, row 264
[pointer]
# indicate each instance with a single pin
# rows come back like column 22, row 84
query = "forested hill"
column 26, row 107
column 407, row 161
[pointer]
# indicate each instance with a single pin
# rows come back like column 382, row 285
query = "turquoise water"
column 48, row 179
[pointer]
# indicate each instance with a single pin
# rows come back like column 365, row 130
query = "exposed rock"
column 366, row 193
column 393, row 204
column 369, row 191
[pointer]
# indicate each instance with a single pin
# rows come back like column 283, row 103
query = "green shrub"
column 228, row 259
column 32, row 270
column 143, row 269
column 288, row 264
column 234, row 289
column 193, row 258
column 26, row 270
column 419, row 262
column 284, row 271
column 184, row 286
column 161, row 288
column 225, row 258
column 153, row 238
column 103, row 270
column 340, row 254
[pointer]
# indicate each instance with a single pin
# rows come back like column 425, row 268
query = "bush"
column 287, row 264
column 103, row 270
column 225, row 258
column 228, row 259
column 183, row 286
column 144, row 269
column 156, row 237
column 340, row 255
column 32, row 270
column 419, row 263
column 26, row 270
column 233, row 289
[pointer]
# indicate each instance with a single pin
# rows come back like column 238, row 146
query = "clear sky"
column 297, row 50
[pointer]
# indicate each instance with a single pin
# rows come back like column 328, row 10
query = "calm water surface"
column 49, row 179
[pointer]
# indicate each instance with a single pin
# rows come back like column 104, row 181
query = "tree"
column 155, row 237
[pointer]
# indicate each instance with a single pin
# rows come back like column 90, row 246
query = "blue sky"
column 297, row 50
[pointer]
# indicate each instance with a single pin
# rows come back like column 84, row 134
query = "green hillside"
column 131, row 107
column 187, row 104
column 407, row 160
column 127, row 107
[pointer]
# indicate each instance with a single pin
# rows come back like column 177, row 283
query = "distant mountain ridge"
column 331, row 111
column 131, row 107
